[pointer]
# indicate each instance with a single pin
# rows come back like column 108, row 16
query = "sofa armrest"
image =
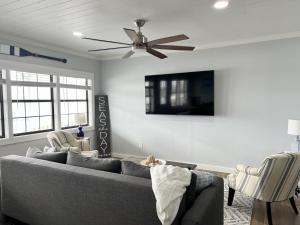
column 208, row 207
column 247, row 169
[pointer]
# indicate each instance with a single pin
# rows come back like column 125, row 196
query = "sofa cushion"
column 59, row 157
column 133, row 169
column 104, row 164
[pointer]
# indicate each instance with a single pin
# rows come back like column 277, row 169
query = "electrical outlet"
column 140, row 146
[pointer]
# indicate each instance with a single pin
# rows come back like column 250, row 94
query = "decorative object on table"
column 80, row 119
column 152, row 161
column 294, row 129
column 21, row 52
column 276, row 180
column 140, row 42
column 64, row 141
column 102, row 125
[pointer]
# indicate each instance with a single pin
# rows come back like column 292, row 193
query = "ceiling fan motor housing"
column 139, row 22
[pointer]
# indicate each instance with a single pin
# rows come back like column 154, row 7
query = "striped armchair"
column 64, row 141
column 276, row 180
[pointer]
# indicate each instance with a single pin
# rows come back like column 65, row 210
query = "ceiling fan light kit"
column 141, row 43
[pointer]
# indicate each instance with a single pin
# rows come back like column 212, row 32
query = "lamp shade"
column 294, row 127
column 80, row 118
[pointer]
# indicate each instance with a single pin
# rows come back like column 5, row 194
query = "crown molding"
column 246, row 41
column 20, row 41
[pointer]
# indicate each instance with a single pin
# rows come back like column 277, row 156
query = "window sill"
column 33, row 137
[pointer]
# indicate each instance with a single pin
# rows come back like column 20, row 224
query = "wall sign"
column 102, row 125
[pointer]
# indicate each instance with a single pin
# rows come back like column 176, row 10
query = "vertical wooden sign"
column 102, row 126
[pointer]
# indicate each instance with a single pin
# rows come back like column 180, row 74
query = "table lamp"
column 294, row 129
column 80, row 119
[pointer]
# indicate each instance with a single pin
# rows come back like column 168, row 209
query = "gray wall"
column 74, row 63
column 256, row 92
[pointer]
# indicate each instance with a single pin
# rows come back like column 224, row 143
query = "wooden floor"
column 282, row 212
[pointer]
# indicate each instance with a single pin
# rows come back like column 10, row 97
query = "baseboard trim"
column 201, row 166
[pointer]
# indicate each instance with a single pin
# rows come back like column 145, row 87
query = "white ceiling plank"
column 51, row 22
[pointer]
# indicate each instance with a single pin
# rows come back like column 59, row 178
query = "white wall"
column 74, row 63
column 256, row 91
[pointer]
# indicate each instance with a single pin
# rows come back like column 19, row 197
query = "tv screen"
column 189, row 93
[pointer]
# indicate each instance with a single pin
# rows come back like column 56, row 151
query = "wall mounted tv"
column 190, row 93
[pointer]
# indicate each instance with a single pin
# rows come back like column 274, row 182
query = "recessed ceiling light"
column 77, row 34
column 221, row 4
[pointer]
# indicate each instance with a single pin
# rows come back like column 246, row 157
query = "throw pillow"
column 204, row 180
column 59, row 157
column 49, row 149
column 133, row 169
column 104, row 164
column 32, row 151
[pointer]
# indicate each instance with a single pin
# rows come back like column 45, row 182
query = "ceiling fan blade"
column 168, row 39
column 173, row 47
column 131, row 34
column 114, row 42
column 105, row 49
column 128, row 54
column 156, row 53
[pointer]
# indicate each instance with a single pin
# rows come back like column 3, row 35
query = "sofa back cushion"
column 133, row 169
column 59, row 157
column 104, row 164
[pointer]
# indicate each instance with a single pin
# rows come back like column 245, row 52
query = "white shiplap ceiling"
column 51, row 22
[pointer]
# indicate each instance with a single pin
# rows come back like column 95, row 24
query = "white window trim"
column 26, row 67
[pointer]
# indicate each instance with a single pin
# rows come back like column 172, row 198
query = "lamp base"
column 80, row 132
column 295, row 146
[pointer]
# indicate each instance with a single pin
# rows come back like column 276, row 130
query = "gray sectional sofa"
column 40, row 192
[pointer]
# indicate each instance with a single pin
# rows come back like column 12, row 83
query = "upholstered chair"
column 276, row 180
column 64, row 141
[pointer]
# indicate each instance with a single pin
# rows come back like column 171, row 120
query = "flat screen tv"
column 190, row 93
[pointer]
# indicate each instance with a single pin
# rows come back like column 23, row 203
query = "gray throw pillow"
column 104, row 164
column 133, row 169
column 59, row 157
column 203, row 180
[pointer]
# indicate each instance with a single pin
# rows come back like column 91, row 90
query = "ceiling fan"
column 140, row 42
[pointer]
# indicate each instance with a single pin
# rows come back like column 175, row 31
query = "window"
column 36, row 99
column 2, row 77
column 74, row 104
column 32, row 102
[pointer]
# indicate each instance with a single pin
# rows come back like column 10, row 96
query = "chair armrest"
column 66, row 149
column 82, row 144
column 247, row 169
column 208, row 207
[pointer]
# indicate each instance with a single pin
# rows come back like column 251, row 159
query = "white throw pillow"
column 33, row 150
column 49, row 149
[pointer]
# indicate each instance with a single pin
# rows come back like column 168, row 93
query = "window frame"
column 2, row 111
column 57, row 72
column 36, row 101
column 77, row 100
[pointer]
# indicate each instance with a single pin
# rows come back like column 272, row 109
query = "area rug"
column 241, row 210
